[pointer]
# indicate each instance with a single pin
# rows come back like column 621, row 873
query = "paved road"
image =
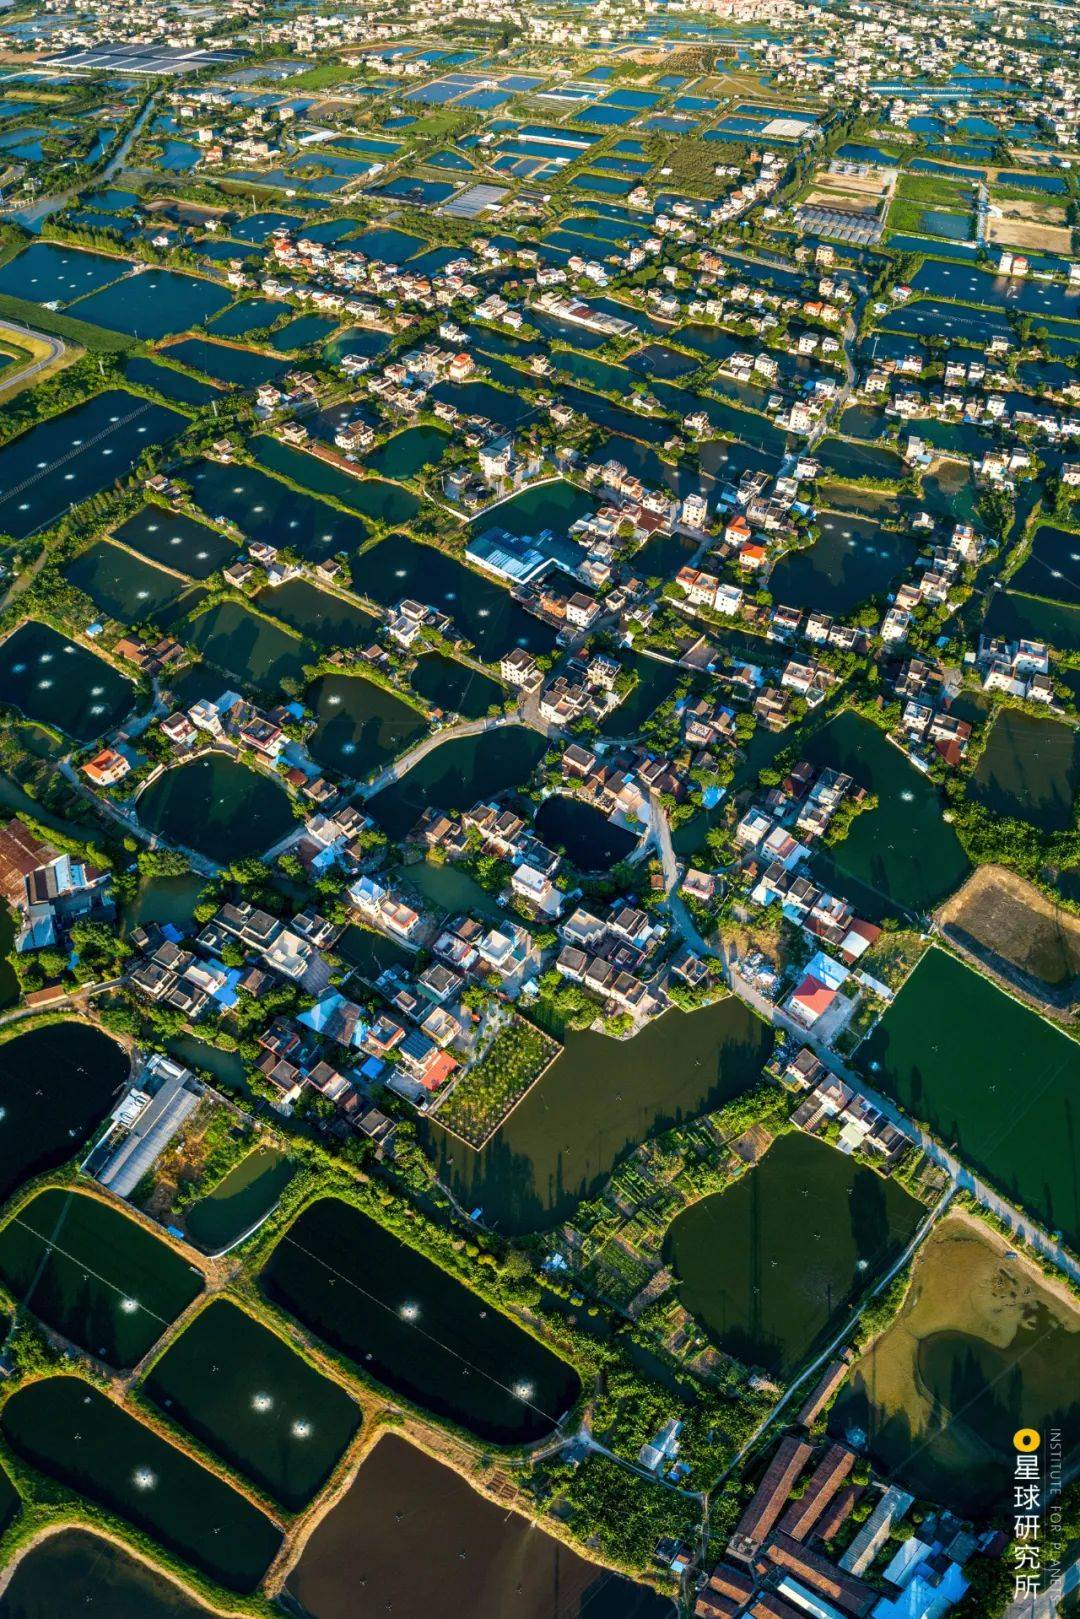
column 57, row 349
column 404, row 763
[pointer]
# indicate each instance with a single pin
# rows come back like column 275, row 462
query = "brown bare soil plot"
column 1013, row 929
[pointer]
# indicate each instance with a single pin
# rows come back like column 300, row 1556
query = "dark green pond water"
column 854, row 558
column 74, row 1433
column 217, row 806
column 176, row 540
column 901, row 856
column 239, row 1200
column 154, row 304
column 454, row 687
column 1030, row 769
column 1015, row 617
column 121, row 585
column 56, row 682
column 251, row 1399
column 771, row 1265
column 246, row 648
column 590, row 841
column 481, row 610
column 1051, row 567
column 408, row 452
column 226, row 363
column 93, row 1275
column 414, row 1327
column 602, row 1098
column 264, row 508
column 56, row 1085
column 989, row 1077
column 457, row 774
column 73, row 1570
column 370, row 497
column 376, row 1549
column 360, row 725
column 325, row 619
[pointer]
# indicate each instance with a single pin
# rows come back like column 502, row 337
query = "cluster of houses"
column 48, row 891
column 781, row 1562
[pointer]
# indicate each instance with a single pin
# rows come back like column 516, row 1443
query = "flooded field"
column 56, row 682
column 72, row 1432
column 901, row 856
column 66, row 459
column 411, row 1325
column 45, row 1125
column 1030, row 769
column 600, row 1099
column 981, row 1347
column 360, row 724
column 590, row 840
column 990, row 1077
column 247, row 1396
column 94, row 1275
column 458, row 773
column 176, row 540
column 74, row 1570
column 376, row 1547
column 771, row 1265
column 240, row 1200
column 217, row 806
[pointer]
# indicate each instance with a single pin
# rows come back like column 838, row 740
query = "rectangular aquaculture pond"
column 246, row 1395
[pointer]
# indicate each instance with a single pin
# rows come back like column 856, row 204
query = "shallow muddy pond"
column 72, row 1432
column 377, row 1548
column 771, row 1265
column 217, row 806
column 602, row 1098
column 980, row 1348
column 56, row 682
column 411, row 1325
column 56, row 1085
column 246, row 1395
column 94, row 1275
